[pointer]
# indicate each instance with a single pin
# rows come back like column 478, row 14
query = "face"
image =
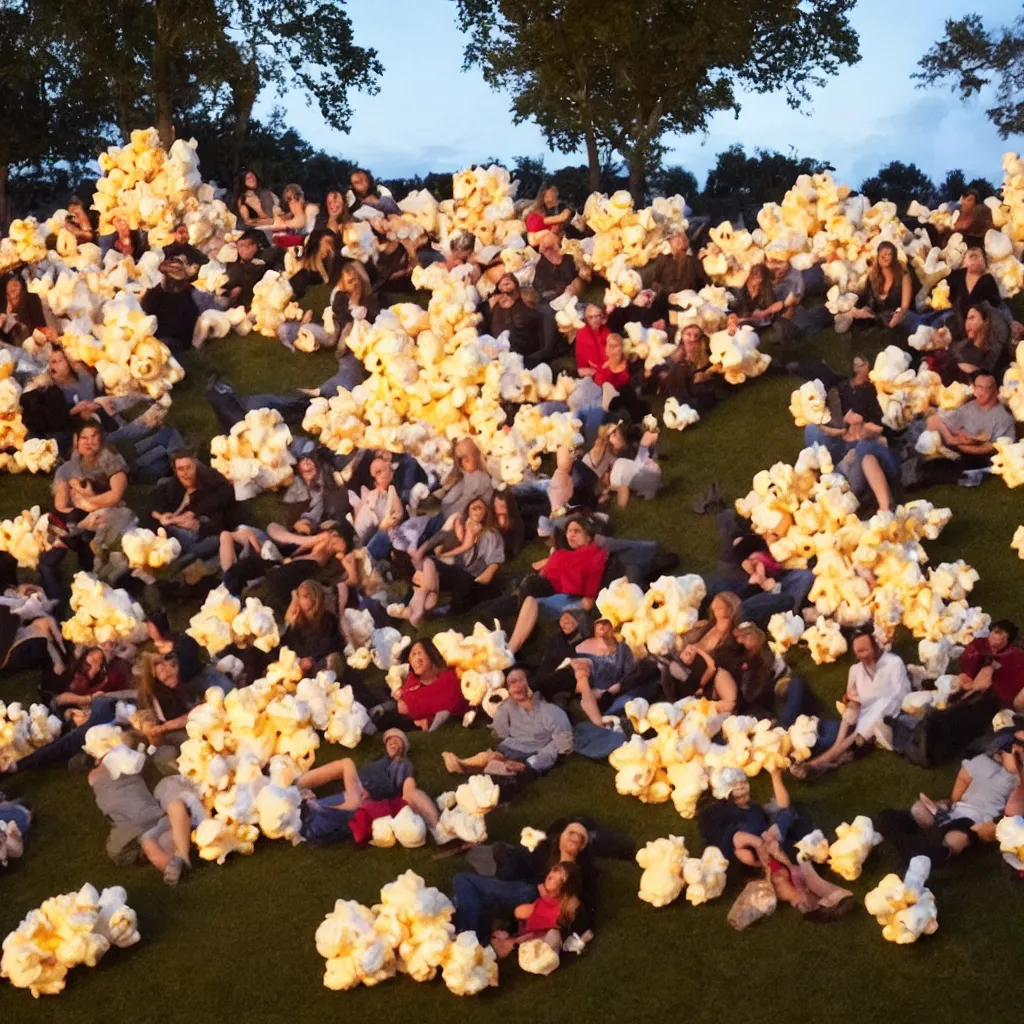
column 166, row 670
column 985, row 392
column 382, row 473
column 860, row 367
column 755, row 278
column 974, row 261
column 477, row 511
column 550, row 196
column 360, row 183
column 741, row 794
column 967, row 203
column 58, row 363
column 719, row 609
column 250, row 180
column 120, row 225
column 419, row 662
column 998, row 640
column 306, row 600
column 554, row 880
column 291, row 197
column 614, row 348
column 550, row 246
column 594, row 317
column 885, row 257
column 307, row 469
column 334, row 203
column 603, row 630
column 327, row 246
column 246, row 250
column 186, row 471
column 467, row 456
column 181, row 234
column 518, row 687
column 746, row 639
column 973, row 321
column 94, row 661
column 508, row 286
column 394, row 747
column 691, row 343
column 777, row 269
column 574, row 838
column 15, row 288
column 349, row 281
column 89, row 442
column 679, row 244
column 576, row 536
column 864, row 649
column 567, row 623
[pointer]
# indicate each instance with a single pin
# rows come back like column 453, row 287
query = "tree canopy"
column 626, row 75
column 971, row 56
column 900, row 183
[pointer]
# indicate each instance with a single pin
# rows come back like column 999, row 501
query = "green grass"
column 237, row 941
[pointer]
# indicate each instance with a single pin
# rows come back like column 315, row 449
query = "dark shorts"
column 323, row 824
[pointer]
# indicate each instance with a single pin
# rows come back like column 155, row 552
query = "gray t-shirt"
column 477, row 484
column 106, row 464
column 990, row 788
column 996, row 420
column 125, row 800
column 489, row 549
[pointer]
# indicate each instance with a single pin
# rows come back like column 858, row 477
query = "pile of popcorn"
column 480, row 660
column 255, row 455
column 668, row 869
column 681, row 761
column 865, row 571
column 145, row 549
column 905, row 907
column 223, row 621
column 847, row 854
column 652, row 620
column 23, row 731
column 408, row 932
column 102, row 614
column 26, row 537
column 17, row 452
column 65, row 932
column 483, row 203
column 245, row 750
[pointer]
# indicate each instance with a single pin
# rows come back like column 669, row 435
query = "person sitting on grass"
column 311, row 630
column 158, row 825
column 940, row 829
column 995, row 663
column 383, row 786
column 378, row 509
column 533, row 734
column 875, row 689
column 888, row 296
column 599, row 665
column 548, row 917
column 429, row 697
column 969, row 431
column 590, row 341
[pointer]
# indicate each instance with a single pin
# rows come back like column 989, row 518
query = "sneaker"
column 439, row 719
column 174, row 870
column 972, row 478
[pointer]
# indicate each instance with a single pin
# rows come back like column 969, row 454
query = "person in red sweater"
column 547, row 916
column 590, row 341
column 430, row 695
column 572, row 576
column 94, row 674
column 995, row 663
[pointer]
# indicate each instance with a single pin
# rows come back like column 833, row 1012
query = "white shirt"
column 879, row 693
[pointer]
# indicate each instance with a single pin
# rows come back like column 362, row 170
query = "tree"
column 738, row 185
column 52, row 112
column 624, row 74
column 900, row 183
column 162, row 58
column 953, row 186
column 970, row 57
column 530, row 172
column 672, row 181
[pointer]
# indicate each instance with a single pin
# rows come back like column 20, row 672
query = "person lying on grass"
column 548, row 916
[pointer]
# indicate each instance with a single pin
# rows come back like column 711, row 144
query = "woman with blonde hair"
column 889, row 292
column 293, row 226
column 316, row 265
column 352, row 298
column 311, row 630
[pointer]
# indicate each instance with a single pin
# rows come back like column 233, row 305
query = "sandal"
column 174, row 870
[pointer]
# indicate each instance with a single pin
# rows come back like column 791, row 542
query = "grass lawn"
column 236, row 942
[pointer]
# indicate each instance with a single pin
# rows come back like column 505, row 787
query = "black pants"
column 463, row 588
column 911, row 840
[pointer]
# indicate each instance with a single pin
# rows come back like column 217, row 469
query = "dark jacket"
column 213, row 501
column 245, row 276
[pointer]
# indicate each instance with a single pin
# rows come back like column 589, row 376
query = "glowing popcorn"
column 467, row 967
column 678, row 417
column 1012, row 391
column 786, row 630
column 905, row 907
column 531, row 838
column 65, row 932
column 1018, row 541
column 737, row 356
column 705, row 876
column 354, row 951
column 148, row 550
column 1008, row 462
column 825, row 641
column 813, row 847
column 23, row 731
column 1010, row 834
column 26, row 537
column 537, row 957
column 102, row 614
column 846, row 856
column 255, row 455
column 662, row 861
column 808, row 404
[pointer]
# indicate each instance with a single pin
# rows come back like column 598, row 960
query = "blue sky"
column 430, row 115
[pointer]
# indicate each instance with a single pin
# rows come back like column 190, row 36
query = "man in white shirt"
column 875, row 688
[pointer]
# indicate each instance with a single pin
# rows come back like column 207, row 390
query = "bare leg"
column 588, row 700
column 280, row 535
column 420, row 802
column 156, row 854
column 621, row 495
column 529, row 612
column 456, row 764
column 875, row 477
column 827, row 892
column 227, row 550
column 344, row 768
column 181, row 829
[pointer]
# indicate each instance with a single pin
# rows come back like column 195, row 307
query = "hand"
column 84, row 408
column 307, row 665
column 650, row 437
column 304, row 527
column 188, row 521
column 515, row 766
column 403, row 708
column 473, row 530
column 163, row 518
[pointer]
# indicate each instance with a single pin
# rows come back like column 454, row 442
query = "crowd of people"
column 356, row 533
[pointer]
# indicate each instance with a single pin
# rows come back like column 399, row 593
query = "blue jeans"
column 796, row 585
column 193, row 546
column 591, row 418
column 595, row 742
column 553, row 606
column 848, row 457
column 379, row 546
column 476, row 897
column 66, row 746
column 11, row 810
column 800, row 701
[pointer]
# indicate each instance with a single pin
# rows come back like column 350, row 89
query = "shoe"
column 174, row 870
column 972, row 478
column 439, row 719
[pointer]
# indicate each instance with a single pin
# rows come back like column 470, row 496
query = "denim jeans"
column 553, row 606
column 11, row 810
column 796, row 585
column 594, row 742
column 379, row 546
column 800, row 701
column 66, row 746
column 848, row 457
column 476, row 898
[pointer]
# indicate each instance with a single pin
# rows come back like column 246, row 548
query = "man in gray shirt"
column 533, row 734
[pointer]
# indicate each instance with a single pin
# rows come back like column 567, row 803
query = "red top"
column 1008, row 677
column 115, row 677
column 424, row 700
column 544, row 916
column 617, row 378
column 576, row 571
column 534, row 222
column 590, row 353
